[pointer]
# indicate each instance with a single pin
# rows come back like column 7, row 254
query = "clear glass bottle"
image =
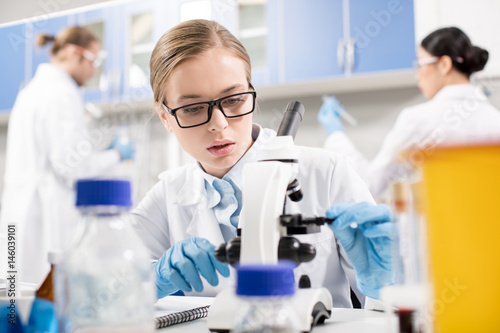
column 265, row 291
column 104, row 282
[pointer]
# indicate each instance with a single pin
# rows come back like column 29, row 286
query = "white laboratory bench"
column 341, row 321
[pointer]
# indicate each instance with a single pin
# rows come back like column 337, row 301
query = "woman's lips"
column 221, row 148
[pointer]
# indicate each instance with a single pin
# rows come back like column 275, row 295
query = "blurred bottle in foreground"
column 104, row 280
column 265, row 291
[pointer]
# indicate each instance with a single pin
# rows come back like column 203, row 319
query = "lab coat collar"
column 235, row 175
column 192, row 191
column 459, row 91
column 48, row 70
column 192, row 188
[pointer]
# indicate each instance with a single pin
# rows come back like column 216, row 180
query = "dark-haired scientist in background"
column 457, row 112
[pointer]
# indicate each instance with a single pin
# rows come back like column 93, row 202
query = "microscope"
column 266, row 233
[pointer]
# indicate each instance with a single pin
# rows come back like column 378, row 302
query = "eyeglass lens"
column 232, row 106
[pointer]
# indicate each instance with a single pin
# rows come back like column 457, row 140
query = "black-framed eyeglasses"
column 196, row 114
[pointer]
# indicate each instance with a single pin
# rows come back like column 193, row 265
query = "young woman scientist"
column 200, row 75
column 48, row 147
column 456, row 113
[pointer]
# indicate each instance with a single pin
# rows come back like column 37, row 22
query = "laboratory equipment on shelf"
column 266, row 233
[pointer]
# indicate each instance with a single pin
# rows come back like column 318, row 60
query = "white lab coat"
column 457, row 115
column 176, row 209
column 48, row 148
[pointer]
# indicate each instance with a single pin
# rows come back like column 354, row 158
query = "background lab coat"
column 48, row 147
column 457, row 114
column 176, row 208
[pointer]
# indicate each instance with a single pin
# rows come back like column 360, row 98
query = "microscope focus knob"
column 290, row 248
column 229, row 252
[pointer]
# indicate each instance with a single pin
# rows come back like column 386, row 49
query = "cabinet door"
column 311, row 32
column 384, row 34
column 138, row 38
column 12, row 56
column 98, row 88
column 254, row 28
column 50, row 26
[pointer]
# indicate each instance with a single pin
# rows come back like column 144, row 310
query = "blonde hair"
column 185, row 41
column 73, row 35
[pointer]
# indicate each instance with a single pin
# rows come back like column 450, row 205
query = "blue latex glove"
column 9, row 318
column 368, row 246
column 125, row 147
column 180, row 267
column 329, row 115
column 43, row 317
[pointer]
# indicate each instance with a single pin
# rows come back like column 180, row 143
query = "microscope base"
column 312, row 306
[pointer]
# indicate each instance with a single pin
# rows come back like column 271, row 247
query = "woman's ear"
column 445, row 64
column 164, row 116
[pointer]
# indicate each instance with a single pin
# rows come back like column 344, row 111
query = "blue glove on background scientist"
column 329, row 115
column 125, row 147
column 368, row 247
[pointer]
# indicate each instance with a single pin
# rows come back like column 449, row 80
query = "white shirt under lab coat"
column 48, row 148
column 176, row 208
column 457, row 115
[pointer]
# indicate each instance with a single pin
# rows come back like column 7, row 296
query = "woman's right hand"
column 180, row 267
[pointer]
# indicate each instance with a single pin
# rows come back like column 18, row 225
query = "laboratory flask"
column 104, row 282
column 265, row 292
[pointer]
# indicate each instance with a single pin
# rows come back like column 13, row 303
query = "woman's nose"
column 218, row 121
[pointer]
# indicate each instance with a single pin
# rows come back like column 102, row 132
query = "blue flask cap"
column 266, row 280
column 103, row 192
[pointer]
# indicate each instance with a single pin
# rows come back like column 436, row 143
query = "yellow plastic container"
column 461, row 190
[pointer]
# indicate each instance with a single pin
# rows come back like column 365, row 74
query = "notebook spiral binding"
column 182, row 317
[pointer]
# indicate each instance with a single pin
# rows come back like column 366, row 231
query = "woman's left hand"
column 367, row 244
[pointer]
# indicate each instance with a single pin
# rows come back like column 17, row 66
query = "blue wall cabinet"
column 383, row 33
column 20, row 57
column 311, row 40
column 12, row 64
column 312, row 33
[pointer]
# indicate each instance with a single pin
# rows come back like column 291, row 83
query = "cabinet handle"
column 350, row 54
column 340, row 54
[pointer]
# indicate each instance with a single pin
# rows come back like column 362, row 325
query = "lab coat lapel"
column 204, row 224
column 193, row 197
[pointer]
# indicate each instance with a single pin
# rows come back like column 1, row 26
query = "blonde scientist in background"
column 457, row 112
column 48, row 148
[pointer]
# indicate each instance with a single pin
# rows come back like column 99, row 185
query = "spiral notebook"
column 173, row 310
column 181, row 317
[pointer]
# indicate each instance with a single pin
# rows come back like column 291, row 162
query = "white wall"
column 478, row 19
column 24, row 9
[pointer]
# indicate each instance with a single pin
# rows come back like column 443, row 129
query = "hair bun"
column 477, row 59
column 44, row 39
column 481, row 56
